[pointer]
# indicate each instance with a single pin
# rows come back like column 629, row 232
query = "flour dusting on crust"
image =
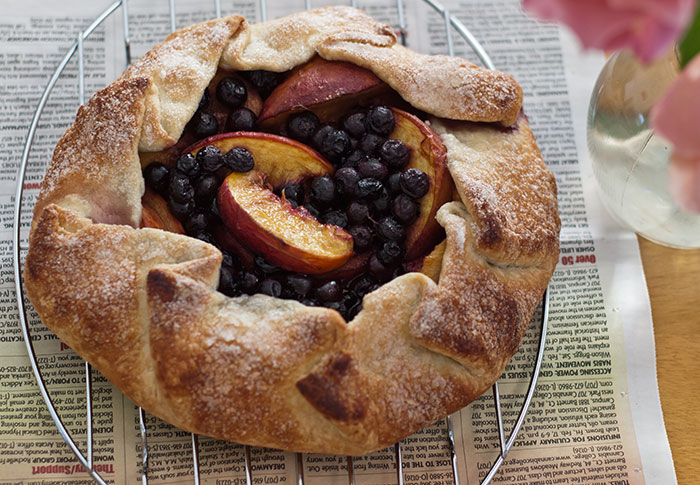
column 141, row 305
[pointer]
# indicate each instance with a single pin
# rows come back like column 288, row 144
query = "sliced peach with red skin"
column 266, row 224
column 431, row 264
column 428, row 154
column 155, row 213
column 354, row 266
column 226, row 240
column 288, row 237
column 281, row 159
column 328, row 88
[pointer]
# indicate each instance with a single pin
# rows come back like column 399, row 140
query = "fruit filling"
column 318, row 193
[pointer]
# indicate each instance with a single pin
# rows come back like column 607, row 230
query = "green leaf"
column 690, row 45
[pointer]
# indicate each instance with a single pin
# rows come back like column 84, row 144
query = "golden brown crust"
column 180, row 68
column 95, row 168
column 141, row 305
column 443, row 86
column 447, row 87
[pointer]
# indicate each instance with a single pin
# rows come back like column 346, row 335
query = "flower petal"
column 677, row 114
column 648, row 27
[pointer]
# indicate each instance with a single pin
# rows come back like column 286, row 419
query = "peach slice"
column 281, row 159
column 155, row 213
column 431, row 264
column 229, row 243
column 429, row 155
column 290, row 238
column 328, row 88
column 354, row 266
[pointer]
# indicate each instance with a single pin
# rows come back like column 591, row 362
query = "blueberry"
column 157, row 176
column 380, row 119
column 346, row 179
column 188, row 165
column 241, row 119
column 312, row 210
column 300, row 285
column 415, row 183
column 353, row 310
column 338, row 306
column 381, row 204
column 210, row 158
column 390, row 254
column 181, row 210
column 203, row 125
column 335, row 144
column 360, row 284
column 205, row 189
column 357, row 212
column 378, row 270
column 335, row 305
column 214, row 207
column 227, row 284
column 264, row 81
column 394, row 183
column 301, row 126
column 370, row 143
column 239, row 159
column 390, row 229
column 336, row 218
column 206, row 237
column 204, row 101
column 228, row 260
column 404, row 209
column 368, row 188
column 350, row 299
column 265, row 266
column 180, row 188
column 322, row 190
column 249, row 282
column 398, row 271
column 373, row 168
column 231, row 92
column 271, row 287
column 362, row 237
column 373, row 287
column 320, row 135
column 395, row 154
column 329, row 291
column 354, row 158
column 355, row 124
column 197, row 222
column 293, row 192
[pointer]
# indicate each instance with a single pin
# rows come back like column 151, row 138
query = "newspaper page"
column 595, row 417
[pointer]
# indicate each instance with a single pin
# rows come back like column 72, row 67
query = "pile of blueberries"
column 371, row 195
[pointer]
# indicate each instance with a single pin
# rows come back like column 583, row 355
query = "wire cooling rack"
column 86, row 458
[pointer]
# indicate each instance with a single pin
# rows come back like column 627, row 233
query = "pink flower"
column 675, row 117
column 647, row 27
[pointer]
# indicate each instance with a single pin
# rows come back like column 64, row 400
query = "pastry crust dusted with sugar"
column 141, row 304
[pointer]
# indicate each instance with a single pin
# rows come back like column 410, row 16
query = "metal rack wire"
column 86, row 459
